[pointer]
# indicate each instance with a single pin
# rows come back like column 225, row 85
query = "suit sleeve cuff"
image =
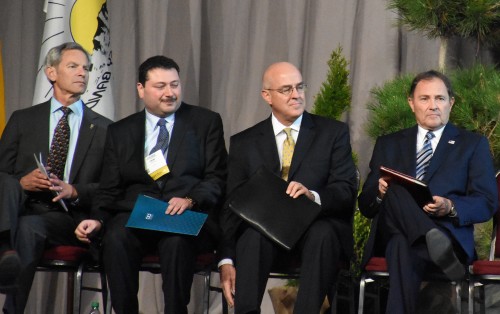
column 317, row 199
column 225, row 261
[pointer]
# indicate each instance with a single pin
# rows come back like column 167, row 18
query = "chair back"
column 495, row 242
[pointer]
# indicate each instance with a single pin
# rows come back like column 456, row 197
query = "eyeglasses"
column 288, row 90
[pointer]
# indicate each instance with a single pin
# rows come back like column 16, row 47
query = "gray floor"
column 490, row 298
column 439, row 298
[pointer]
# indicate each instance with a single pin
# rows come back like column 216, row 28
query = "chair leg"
column 107, row 305
column 206, row 291
column 104, row 292
column 482, row 299
column 70, row 282
column 362, row 286
column 458, row 292
column 471, row 296
column 77, row 284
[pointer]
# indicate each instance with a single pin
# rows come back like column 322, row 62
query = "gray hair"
column 54, row 55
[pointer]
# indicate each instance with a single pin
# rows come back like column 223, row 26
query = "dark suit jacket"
column 196, row 158
column 27, row 133
column 461, row 170
column 321, row 161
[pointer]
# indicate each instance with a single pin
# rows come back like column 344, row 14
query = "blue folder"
column 149, row 213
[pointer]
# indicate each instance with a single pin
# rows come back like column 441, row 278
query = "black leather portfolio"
column 262, row 202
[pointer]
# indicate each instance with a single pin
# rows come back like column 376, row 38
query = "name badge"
column 156, row 165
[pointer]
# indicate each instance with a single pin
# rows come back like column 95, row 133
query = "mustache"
column 171, row 98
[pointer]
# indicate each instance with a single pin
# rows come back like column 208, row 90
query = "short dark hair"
column 429, row 75
column 155, row 62
column 54, row 56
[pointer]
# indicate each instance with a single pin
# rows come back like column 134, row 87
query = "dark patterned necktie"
column 59, row 147
column 163, row 137
column 424, row 156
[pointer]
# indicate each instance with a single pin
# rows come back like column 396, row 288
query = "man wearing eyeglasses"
column 321, row 168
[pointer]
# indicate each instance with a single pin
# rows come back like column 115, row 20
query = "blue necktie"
column 163, row 137
column 424, row 156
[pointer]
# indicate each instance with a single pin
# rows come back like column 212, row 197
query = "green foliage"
column 482, row 239
column 390, row 110
column 446, row 18
column 435, row 18
column 361, row 233
column 334, row 97
column 477, row 103
column 481, row 20
column 292, row 283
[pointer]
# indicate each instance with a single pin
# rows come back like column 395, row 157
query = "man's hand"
column 177, row 205
column 228, row 282
column 86, row 229
column 382, row 187
column 65, row 190
column 35, row 181
column 441, row 207
column 295, row 189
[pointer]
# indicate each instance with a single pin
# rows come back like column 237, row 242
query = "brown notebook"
column 263, row 203
column 417, row 188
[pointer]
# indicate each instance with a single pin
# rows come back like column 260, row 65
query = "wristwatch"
column 192, row 201
column 453, row 211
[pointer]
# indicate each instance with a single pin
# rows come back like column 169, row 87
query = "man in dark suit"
column 30, row 216
column 191, row 140
column 321, row 168
column 457, row 166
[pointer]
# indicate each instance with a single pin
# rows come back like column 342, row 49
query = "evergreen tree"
column 443, row 19
column 334, row 97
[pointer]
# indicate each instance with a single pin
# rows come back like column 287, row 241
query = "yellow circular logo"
column 83, row 22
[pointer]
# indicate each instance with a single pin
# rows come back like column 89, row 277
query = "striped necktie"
column 424, row 156
column 288, row 147
column 59, row 146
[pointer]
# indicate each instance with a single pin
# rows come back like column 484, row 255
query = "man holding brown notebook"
column 458, row 168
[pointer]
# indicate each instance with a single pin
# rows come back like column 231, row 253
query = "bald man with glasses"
column 313, row 155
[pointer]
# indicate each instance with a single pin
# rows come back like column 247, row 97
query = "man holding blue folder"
column 173, row 152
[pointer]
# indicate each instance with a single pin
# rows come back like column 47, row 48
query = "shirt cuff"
column 317, row 200
column 225, row 261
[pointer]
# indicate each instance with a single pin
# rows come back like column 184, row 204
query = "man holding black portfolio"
column 170, row 151
column 312, row 154
column 458, row 168
column 69, row 137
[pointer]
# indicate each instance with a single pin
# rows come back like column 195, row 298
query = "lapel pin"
column 451, row 142
column 91, row 126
